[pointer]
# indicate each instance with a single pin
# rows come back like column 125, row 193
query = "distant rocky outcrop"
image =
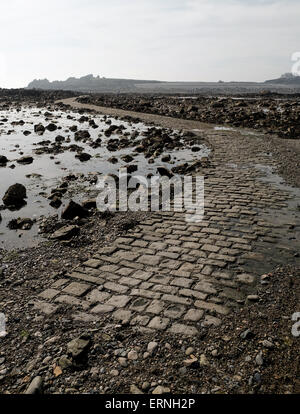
column 286, row 79
column 89, row 83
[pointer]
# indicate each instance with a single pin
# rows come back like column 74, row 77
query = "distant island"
column 286, row 79
column 287, row 83
column 89, row 83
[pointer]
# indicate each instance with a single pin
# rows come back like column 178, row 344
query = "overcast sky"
column 173, row 40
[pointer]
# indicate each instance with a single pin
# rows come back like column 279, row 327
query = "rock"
column 267, row 344
column 15, row 195
column 164, row 172
column 259, row 359
column 22, row 224
column 27, row 159
column 64, row 362
column 152, row 347
column 51, row 127
column 83, row 156
column 132, row 355
column 35, row 386
column 79, row 346
column 56, row 202
column 89, row 203
column 191, row 362
column 252, row 298
column 247, row 334
column 123, row 362
column 39, row 129
column 203, row 360
column 3, row 160
column 135, row 390
column 65, row 233
column 146, row 385
column 73, row 210
column 161, row 390
column 189, row 351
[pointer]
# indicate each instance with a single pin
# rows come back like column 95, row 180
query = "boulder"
column 73, row 210
column 27, row 159
column 15, row 195
column 3, row 160
column 65, row 233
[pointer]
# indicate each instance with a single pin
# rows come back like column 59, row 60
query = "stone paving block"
column 174, row 311
column 159, row 323
column 86, row 278
column 97, row 296
column 129, row 281
column 72, row 301
column 155, row 307
column 127, row 255
column 84, row 317
column 145, row 294
column 119, row 301
column 211, row 307
column 109, row 268
column 177, row 299
column 191, row 293
column 182, row 282
column 139, row 304
column 171, row 264
column 59, row 283
column 160, row 279
column 116, row 287
column 210, row 248
column 44, row 307
column 140, row 320
column 122, row 315
column 76, row 289
column 49, row 293
column 181, row 329
column 146, row 285
column 103, row 309
column 94, row 263
column 211, row 321
column 172, row 290
column 222, row 257
column 124, row 271
column 193, row 315
column 150, row 260
column 205, row 287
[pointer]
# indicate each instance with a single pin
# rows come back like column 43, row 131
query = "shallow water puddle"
column 48, row 170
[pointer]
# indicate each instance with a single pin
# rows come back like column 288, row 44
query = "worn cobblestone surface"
column 169, row 274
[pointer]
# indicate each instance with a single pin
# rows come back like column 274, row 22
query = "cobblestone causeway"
column 168, row 274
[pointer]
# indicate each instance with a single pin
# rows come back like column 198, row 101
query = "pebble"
column 247, row 334
column 161, row 390
column 189, row 351
column 259, row 359
column 135, row 390
column 152, row 347
column 123, row 362
column 35, row 386
column 203, row 360
column 145, row 386
column 114, row 373
column 267, row 344
column 132, row 355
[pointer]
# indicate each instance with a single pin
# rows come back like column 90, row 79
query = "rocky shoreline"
column 269, row 112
